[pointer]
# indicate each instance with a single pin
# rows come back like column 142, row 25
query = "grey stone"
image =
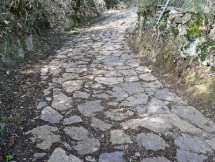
column 193, row 143
column 77, row 133
column 60, row 155
column 109, row 81
column 60, row 101
column 121, row 147
column 151, row 141
column 118, row 93
column 72, row 119
column 119, row 137
column 67, row 146
column 2, row 125
column 211, row 142
column 118, row 114
column 131, row 79
column 137, row 99
column 143, row 69
column 164, row 94
column 186, row 156
column 156, row 159
column 157, row 106
column 90, row 108
column 147, row 77
column 97, row 123
column 45, row 134
column 90, row 158
column 39, row 155
column 87, row 146
column 129, row 72
column 132, row 87
column 157, row 124
column 154, row 84
column 50, row 115
column 41, row 104
column 71, row 86
column 112, row 157
column 79, row 94
column 195, row 117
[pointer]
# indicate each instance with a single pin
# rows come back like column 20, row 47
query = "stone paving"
column 102, row 105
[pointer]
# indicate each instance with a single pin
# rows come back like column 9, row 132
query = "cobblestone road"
column 101, row 105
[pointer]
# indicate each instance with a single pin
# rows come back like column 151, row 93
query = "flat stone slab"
column 183, row 156
column 138, row 99
column 193, row 143
column 72, row 119
column 50, row 115
column 77, row 133
column 60, row 155
column 119, row 137
column 112, row 157
column 87, row 146
column 109, row 81
column 156, row 159
column 165, row 94
column 132, row 87
column 46, row 135
column 147, row 77
column 151, row 141
column 157, row 106
column 61, row 102
column 97, row 123
column 118, row 114
column 71, row 86
column 90, row 108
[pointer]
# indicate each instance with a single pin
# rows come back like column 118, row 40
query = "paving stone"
column 137, row 99
column 60, row 155
column 118, row 93
column 147, row 77
column 46, row 135
column 132, row 87
column 109, row 81
column 121, row 147
column 112, row 157
column 71, row 86
column 151, row 141
column 119, row 137
column 41, row 104
column 39, row 155
column 193, row 143
column 118, row 114
column 157, row 106
column 60, row 101
column 157, row 124
column 90, row 108
column 211, row 142
column 72, row 119
column 77, row 133
column 195, row 117
column 131, row 79
column 165, row 94
column 87, row 146
column 143, row 69
column 129, row 72
column 186, row 156
column 79, row 94
column 156, row 159
column 50, row 115
column 97, row 123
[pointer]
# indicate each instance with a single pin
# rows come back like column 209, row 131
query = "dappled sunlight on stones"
column 71, row 86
